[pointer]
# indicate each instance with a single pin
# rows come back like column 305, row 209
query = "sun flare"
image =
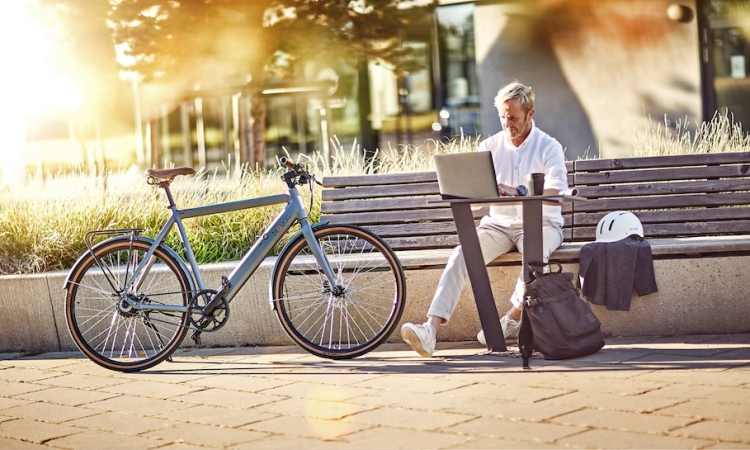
column 28, row 86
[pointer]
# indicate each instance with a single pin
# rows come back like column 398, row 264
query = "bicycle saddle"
column 169, row 174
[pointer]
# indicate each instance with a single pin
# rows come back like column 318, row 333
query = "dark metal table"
column 480, row 282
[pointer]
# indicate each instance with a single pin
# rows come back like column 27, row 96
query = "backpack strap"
column 525, row 339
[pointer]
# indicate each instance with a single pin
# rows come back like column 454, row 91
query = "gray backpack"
column 556, row 321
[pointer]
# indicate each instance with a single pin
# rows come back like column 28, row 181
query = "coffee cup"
column 535, row 183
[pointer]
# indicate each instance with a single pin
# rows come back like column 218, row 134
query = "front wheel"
column 354, row 316
column 104, row 327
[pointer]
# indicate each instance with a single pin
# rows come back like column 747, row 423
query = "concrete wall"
column 706, row 295
column 600, row 69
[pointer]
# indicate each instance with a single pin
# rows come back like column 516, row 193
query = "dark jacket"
column 610, row 270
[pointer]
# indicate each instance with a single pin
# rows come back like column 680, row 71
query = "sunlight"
column 28, row 87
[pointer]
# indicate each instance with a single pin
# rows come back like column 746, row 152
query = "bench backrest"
column 395, row 206
column 673, row 196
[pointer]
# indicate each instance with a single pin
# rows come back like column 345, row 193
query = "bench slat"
column 708, row 228
column 348, row 181
column 380, row 205
column 668, row 174
column 367, row 218
column 396, row 190
column 675, row 187
column 583, row 165
column 675, row 201
column 679, row 215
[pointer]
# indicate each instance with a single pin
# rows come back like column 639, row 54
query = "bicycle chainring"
column 208, row 322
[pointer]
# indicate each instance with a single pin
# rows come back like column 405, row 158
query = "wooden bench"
column 690, row 205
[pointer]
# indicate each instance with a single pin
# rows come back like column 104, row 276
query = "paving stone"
column 138, row 405
column 718, row 394
column 239, row 383
column 318, row 409
column 33, row 431
column 13, row 444
column 474, row 406
column 513, row 430
column 12, row 388
column 65, row 396
column 205, row 435
column 622, row 439
column 306, row 427
column 45, row 361
column 520, row 394
column 182, row 446
column 500, row 443
column 229, row 399
column 122, row 423
column 99, row 440
column 623, row 421
column 24, row 375
column 514, row 379
column 151, row 389
column 708, row 409
column 338, row 377
column 280, row 442
column 614, row 402
column 728, row 445
column 6, row 403
column 661, row 360
column 605, row 385
column 729, row 377
column 78, row 381
column 413, row 384
column 715, row 430
column 318, row 391
column 220, row 416
column 47, row 412
column 386, row 438
column 407, row 418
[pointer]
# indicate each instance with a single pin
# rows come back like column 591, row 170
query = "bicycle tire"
column 347, row 325
column 126, row 341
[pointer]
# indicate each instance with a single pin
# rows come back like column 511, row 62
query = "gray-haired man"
column 518, row 150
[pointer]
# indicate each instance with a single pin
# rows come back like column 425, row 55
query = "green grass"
column 43, row 221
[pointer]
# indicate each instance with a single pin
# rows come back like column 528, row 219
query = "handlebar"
column 297, row 175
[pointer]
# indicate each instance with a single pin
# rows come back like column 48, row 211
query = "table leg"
column 480, row 280
column 533, row 247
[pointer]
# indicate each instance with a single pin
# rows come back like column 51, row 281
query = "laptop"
column 466, row 175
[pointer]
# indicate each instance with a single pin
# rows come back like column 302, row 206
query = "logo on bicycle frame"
column 279, row 228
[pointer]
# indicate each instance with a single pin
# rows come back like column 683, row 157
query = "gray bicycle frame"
column 293, row 212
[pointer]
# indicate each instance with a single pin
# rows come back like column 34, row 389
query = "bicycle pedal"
column 197, row 338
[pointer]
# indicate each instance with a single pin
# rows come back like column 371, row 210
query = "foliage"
column 43, row 222
column 217, row 43
column 719, row 135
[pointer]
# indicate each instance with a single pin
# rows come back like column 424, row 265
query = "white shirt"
column 538, row 153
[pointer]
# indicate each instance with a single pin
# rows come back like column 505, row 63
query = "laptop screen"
column 466, row 175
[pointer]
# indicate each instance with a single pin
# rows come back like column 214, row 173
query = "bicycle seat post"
column 165, row 185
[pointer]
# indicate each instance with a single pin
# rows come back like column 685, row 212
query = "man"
column 518, row 150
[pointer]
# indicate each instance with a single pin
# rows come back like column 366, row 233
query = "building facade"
column 600, row 69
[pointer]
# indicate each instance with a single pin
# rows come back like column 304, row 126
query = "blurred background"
column 98, row 85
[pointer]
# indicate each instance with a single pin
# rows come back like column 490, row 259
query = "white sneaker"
column 510, row 328
column 420, row 337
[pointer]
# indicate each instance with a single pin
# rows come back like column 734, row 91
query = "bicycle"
column 338, row 290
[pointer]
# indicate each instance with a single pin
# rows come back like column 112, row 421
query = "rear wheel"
column 352, row 317
column 108, row 330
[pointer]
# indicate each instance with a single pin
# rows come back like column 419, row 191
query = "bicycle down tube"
column 293, row 212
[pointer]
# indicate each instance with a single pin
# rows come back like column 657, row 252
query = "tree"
column 219, row 43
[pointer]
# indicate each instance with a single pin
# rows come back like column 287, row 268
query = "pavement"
column 659, row 392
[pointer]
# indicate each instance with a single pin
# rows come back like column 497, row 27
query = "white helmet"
column 618, row 225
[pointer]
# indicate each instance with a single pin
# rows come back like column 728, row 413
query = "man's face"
column 515, row 120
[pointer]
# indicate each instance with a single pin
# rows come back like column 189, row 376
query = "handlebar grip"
column 286, row 162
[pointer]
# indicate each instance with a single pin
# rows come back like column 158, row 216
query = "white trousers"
column 495, row 240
